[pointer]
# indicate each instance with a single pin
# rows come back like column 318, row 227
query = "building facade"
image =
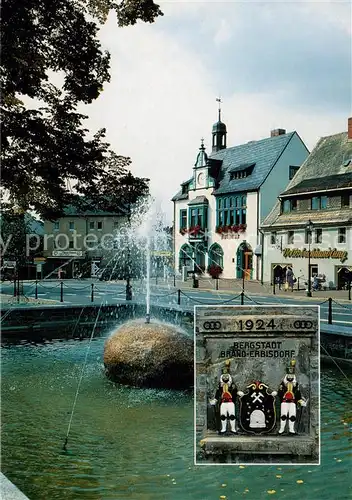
column 218, row 211
column 79, row 243
column 310, row 227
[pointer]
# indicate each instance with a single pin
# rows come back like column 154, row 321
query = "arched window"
column 216, row 256
column 185, row 257
column 200, row 258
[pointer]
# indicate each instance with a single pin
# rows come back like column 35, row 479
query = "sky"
column 275, row 64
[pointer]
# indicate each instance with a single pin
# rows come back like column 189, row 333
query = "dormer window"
column 319, row 202
column 185, row 189
column 242, row 171
column 288, row 206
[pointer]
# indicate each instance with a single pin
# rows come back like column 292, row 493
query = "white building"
column 218, row 211
column 313, row 216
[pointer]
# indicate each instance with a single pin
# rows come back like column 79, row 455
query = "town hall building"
column 219, row 209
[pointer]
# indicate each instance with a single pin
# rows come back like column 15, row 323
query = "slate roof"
column 321, row 184
column 299, row 218
column 328, row 157
column 264, row 153
column 199, row 200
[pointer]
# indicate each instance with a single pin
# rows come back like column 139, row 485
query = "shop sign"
column 315, row 253
column 67, row 253
column 230, row 236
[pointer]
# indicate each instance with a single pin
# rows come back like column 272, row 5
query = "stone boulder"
column 149, row 355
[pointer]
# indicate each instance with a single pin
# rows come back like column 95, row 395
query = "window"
column 56, row 225
column 231, row 211
column 319, row 202
column 185, row 189
column 91, row 225
column 290, row 237
column 198, row 217
column 100, row 225
column 216, row 255
column 345, row 200
column 293, row 204
column 286, row 206
column 341, row 235
column 273, row 238
column 183, row 219
column 71, row 226
column 292, row 171
column 318, row 235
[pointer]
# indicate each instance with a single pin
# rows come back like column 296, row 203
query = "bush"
column 214, row 271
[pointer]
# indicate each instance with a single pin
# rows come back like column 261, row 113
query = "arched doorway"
column 185, row 257
column 244, row 261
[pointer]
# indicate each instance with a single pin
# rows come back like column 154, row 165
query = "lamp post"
column 309, row 229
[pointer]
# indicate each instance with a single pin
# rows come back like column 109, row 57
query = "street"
column 80, row 292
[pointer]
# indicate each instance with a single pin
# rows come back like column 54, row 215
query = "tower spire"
column 218, row 99
column 219, row 132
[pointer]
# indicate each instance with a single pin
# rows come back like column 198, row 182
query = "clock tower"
column 201, row 169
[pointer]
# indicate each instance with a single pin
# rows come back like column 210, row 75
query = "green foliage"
column 46, row 149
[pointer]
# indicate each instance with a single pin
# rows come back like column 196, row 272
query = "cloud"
column 274, row 65
column 223, row 33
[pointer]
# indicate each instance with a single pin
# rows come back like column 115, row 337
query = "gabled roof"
column 328, row 159
column 263, row 153
column 338, row 181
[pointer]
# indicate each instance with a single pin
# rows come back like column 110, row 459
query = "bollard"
column 36, row 289
column 179, row 297
column 216, row 283
column 92, row 293
column 330, row 311
column 15, row 287
column 156, row 279
column 298, row 284
column 349, row 290
column 242, row 298
column 61, row 291
column 274, row 288
column 174, row 279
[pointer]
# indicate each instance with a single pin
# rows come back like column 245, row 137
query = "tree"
column 46, row 149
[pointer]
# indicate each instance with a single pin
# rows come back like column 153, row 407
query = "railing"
column 331, row 308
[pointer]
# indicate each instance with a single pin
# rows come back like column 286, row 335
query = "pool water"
column 138, row 444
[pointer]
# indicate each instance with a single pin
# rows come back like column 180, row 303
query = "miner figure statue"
column 290, row 396
column 225, row 397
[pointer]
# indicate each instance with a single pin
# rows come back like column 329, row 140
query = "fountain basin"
column 151, row 354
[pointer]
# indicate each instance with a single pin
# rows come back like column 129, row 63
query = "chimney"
column 349, row 129
column 277, row 131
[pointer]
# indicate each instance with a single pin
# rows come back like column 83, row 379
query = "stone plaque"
column 257, row 384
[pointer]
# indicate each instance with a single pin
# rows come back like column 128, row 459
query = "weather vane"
column 218, row 99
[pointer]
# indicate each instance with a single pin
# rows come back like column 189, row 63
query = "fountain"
column 147, row 353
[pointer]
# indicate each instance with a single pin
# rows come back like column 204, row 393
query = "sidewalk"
column 234, row 286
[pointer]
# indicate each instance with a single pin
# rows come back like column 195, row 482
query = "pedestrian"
column 289, row 278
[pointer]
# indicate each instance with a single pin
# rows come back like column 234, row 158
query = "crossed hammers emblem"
column 257, row 397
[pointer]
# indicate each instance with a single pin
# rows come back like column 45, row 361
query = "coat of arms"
column 257, row 409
